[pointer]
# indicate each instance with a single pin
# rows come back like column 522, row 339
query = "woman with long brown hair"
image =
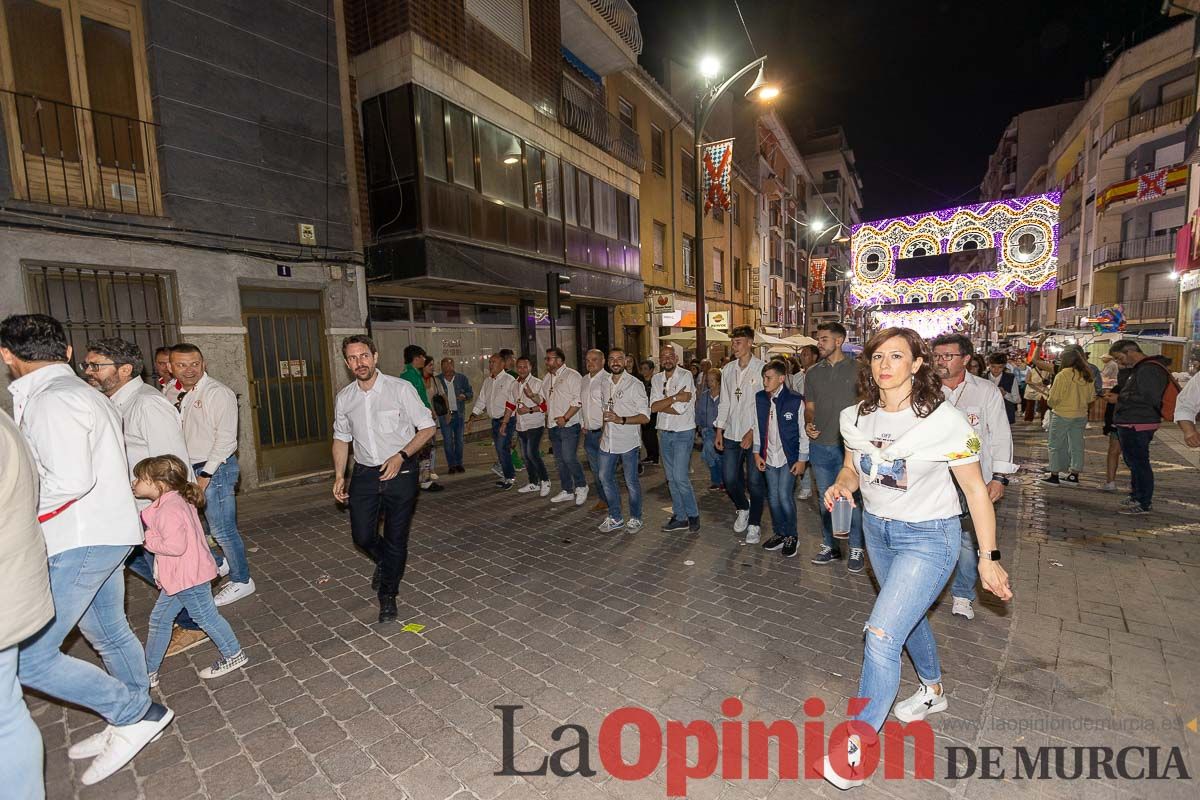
column 905, row 448
column 1071, row 394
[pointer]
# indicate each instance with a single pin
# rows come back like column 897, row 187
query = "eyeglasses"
column 94, row 366
column 947, row 356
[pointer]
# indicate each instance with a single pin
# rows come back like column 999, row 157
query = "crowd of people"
column 914, row 437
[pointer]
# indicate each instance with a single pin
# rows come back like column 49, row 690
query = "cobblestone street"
column 524, row 603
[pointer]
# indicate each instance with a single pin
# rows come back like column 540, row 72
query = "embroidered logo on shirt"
column 788, row 415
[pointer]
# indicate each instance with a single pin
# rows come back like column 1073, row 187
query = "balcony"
column 1133, row 189
column 718, row 287
column 604, row 34
column 1162, row 308
column 831, row 186
column 583, row 113
column 1068, row 271
column 776, row 268
column 1071, row 223
column 79, row 157
column 1178, row 110
column 791, row 275
column 1151, row 248
column 1073, row 176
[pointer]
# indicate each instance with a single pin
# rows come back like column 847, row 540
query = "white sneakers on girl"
column 924, row 701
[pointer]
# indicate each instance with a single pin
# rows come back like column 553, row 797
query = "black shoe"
column 1050, row 478
column 789, row 547
column 387, row 609
column 504, row 484
column 375, row 578
column 774, row 543
column 694, row 524
column 675, row 525
column 434, row 487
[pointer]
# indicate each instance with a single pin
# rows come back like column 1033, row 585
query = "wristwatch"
column 1003, row 479
column 405, row 456
column 623, row 420
column 990, row 555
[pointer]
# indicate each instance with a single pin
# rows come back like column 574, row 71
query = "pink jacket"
column 173, row 533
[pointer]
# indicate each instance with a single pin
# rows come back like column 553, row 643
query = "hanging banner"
column 816, row 274
column 718, row 165
column 1152, row 184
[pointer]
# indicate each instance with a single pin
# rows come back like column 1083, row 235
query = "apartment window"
column 499, row 164
column 1168, row 156
column 535, row 184
column 737, row 274
column 660, row 245
column 689, row 271
column 78, row 108
column 553, row 188
column 1176, row 89
column 569, row 196
column 735, row 208
column 635, row 221
column 585, row 200
column 433, row 134
column 687, row 166
column 462, row 146
column 604, row 208
column 1168, row 221
column 718, row 265
column 657, row 150
column 625, row 112
column 505, row 18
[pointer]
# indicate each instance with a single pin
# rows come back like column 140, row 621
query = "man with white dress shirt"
column 673, row 399
column 741, row 381
column 1187, row 411
column 563, row 390
column 90, row 524
column 209, row 412
column 592, row 418
column 387, row 423
column 165, row 380
column 626, row 408
column 493, row 400
column 984, row 408
column 528, row 407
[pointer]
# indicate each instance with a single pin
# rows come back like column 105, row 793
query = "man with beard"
column 984, row 408
column 592, row 412
column 626, row 407
column 673, row 399
column 388, row 424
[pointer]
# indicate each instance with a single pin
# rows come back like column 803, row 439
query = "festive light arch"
column 929, row 322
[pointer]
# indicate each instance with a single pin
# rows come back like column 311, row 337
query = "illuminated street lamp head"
column 710, row 67
column 760, row 88
column 817, row 226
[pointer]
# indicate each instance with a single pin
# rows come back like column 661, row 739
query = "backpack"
column 1170, row 394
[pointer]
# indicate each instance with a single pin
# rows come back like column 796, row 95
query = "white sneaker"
column 609, row 525
column 153, row 680
column 752, row 536
column 527, row 488
column 962, row 607
column 581, row 495
column 433, row 476
column 805, row 490
column 634, row 525
column 741, row 521
column 232, row 592
column 125, row 742
column 90, row 747
column 853, row 760
column 562, row 497
column 923, row 703
column 225, row 665
column 544, row 489
column 1110, row 486
column 223, row 568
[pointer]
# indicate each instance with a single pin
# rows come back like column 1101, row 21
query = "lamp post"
column 705, row 101
column 821, row 231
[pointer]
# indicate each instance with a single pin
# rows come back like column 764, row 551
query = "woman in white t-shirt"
column 902, row 446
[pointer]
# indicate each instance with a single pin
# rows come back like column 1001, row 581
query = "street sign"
column 661, row 303
column 718, row 320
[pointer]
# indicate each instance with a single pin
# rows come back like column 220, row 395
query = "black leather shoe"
column 375, row 579
column 387, row 609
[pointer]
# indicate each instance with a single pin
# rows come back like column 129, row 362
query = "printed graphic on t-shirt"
column 891, row 476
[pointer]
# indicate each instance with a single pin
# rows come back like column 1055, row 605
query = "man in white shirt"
column 493, row 400
column 1187, row 411
column 90, row 524
column 165, row 380
column 151, row 427
column 209, row 412
column 592, row 414
column 673, row 399
column 983, row 407
column 626, row 407
column 387, row 423
column 562, row 387
column 741, row 380
column 528, row 407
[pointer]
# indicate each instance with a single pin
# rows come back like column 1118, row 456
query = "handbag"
column 437, row 400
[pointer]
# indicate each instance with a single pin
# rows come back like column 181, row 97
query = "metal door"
column 289, row 381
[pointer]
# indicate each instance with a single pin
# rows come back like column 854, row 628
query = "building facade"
column 201, row 195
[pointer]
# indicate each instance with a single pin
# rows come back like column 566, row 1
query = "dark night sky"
column 923, row 89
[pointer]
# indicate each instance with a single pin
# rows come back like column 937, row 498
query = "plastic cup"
column 842, row 514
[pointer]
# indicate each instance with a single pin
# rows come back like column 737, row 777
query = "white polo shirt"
column 494, row 395
column 380, row 420
column 520, row 400
column 662, row 386
column 592, row 397
column 625, row 398
column 209, row 411
column 563, row 390
column 983, row 407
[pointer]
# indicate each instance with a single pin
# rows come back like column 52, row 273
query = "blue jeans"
column 220, row 509
column 967, row 574
column 591, row 446
column 452, row 438
column 198, row 600
column 711, row 456
column 141, row 563
column 565, row 444
column 675, row 448
column 826, row 461
column 735, row 463
column 503, row 443
column 531, row 447
column 88, row 586
column 608, row 482
column 1135, row 449
column 918, row 557
column 20, row 740
column 781, row 490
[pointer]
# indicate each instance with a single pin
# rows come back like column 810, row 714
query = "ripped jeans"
column 912, row 562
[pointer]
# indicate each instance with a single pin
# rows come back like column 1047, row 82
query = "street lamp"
column 706, row 99
column 821, row 230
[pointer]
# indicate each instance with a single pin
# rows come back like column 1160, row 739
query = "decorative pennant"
column 816, row 274
column 718, row 165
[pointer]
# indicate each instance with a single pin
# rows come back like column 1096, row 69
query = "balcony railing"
column 583, row 113
column 776, row 267
column 832, row 186
column 1073, row 175
column 791, row 275
column 1071, row 223
column 1068, row 271
column 1157, row 308
column 1177, row 110
column 719, row 287
column 1067, row 317
column 81, row 157
column 1148, row 248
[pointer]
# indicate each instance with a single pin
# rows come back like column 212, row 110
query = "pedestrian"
column 591, row 415
column 385, row 420
column 563, row 393
column 983, row 407
column 528, row 408
column 1006, row 381
column 183, row 565
column 673, row 402
column 781, row 454
column 807, row 357
column 28, row 606
column 165, row 380
column 440, row 408
column 150, row 427
column 907, row 448
column 694, row 368
column 706, row 417
column 457, row 390
column 1187, row 413
column 1071, row 395
column 1138, row 416
column 626, row 407
column 830, row 386
column 1037, row 388
column 510, row 361
column 492, row 400
column 977, row 366
column 209, row 411
column 741, row 380
column 650, row 429
column 1111, row 399
column 90, row 524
